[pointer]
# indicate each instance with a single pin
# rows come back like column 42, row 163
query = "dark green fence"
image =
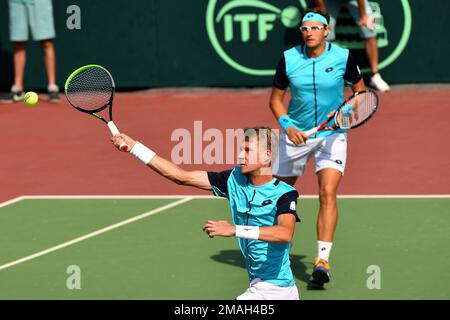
column 154, row 43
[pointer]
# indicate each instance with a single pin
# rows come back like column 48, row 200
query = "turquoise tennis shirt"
column 259, row 206
column 316, row 84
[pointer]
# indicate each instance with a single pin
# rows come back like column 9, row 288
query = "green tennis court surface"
column 167, row 256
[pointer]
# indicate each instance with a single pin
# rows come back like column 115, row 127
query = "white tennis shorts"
column 328, row 152
column 264, row 290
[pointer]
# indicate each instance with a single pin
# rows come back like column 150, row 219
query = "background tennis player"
column 316, row 73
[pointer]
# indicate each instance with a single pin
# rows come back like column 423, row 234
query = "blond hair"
column 267, row 139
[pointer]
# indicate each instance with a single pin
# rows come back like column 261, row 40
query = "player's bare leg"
column 329, row 180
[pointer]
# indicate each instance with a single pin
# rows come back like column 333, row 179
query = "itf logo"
column 289, row 17
column 250, row 35
column 243, row 32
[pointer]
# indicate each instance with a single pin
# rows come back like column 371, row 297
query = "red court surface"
column 54, row 149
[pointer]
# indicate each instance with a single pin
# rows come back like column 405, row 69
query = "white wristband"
column 247, row 232
column 142, row 153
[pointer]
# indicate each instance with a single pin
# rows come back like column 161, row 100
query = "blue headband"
column 312, row 16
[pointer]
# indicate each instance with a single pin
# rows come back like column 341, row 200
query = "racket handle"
column 311, row 131
column 114, row 131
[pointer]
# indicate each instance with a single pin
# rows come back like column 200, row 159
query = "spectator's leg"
column 372, row 53
column 50, row 61
column 376, row 81
column 333, row 8
column 20, row 60
column 50, row 66
column 371, row 46
column 43, row 30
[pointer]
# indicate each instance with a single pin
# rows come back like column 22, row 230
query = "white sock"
column 15, row 88
column 324, row 249
column 52, row 88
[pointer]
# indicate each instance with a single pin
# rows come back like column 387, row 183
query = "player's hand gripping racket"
column 352, row 113
column 90, row 89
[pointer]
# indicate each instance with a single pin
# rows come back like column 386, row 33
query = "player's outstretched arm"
column 167, row 169
column 282, row 232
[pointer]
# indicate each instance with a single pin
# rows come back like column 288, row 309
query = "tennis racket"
column 90, row 89
column 352, row 113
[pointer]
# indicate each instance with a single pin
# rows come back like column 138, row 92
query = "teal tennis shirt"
column 316, row 84
column 259, row 206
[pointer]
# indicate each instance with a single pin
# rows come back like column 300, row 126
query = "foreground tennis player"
column 263, row 209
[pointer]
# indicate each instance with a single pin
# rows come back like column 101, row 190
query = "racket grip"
column 112, row 127
column 114, row 131
column 311, row 131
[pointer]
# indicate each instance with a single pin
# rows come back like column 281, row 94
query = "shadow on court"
column 234, row 257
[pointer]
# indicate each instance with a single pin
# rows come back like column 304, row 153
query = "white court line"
column 95, row 233
column 112, row 197
column 14, row 200
column 183, row 199
column 150, row 197
column 143, row 197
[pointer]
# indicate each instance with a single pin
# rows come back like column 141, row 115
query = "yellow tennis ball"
column 31, row 98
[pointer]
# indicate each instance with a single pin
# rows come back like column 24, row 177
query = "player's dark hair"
column 318, row 11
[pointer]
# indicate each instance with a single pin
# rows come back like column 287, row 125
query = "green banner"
column 227, row 43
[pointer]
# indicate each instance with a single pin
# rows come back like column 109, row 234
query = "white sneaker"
column 378, row 83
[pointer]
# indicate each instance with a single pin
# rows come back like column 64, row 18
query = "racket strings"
column 90, row 89
column 363, row 105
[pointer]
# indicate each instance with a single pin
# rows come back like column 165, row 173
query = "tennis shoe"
column 378, row 83
column 53, row 94
column 15, row 95
column 321, row 272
